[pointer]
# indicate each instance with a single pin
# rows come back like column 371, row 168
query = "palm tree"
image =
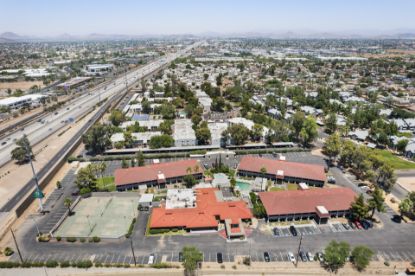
column 263, row 171
column 68, row 202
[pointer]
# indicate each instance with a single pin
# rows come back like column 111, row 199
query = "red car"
column 358, row 225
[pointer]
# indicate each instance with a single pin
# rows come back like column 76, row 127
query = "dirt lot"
column 23, row 85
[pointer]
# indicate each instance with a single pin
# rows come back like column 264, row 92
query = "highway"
column 114, row 94
column 77, row 108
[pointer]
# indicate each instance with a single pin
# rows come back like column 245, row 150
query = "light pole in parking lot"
column 38, row 193
column 299, row 248
column 132, row 250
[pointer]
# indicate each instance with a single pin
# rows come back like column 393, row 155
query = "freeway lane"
column 119, row 85
column 37, row 131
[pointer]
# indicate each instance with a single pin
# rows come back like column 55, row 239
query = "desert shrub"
column 96, row 239
column 51, row 263
column 84, row 264
column 71, row 239
column 65, row 264
column 58, row 238
column 8, row 251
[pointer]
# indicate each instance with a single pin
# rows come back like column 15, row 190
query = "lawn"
column 395, row 161
column 276, row 189
column 290, row 187
column 106, row 184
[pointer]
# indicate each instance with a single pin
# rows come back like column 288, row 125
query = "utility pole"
column 132, row 250
column 299, row 247
column 17, row 246
column 38, row 192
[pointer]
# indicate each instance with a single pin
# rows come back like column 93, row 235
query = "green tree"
column 376, row 203
column 297, row 122
column 189, row 181
column 361, row 256
column 238, row 134
column 218, row 104
column 86, row 179
column 401, row 145
column 335, row 255
column 256, row 132
column 128, row 139
column 332, row 146
column 309, row 131
column 68, row 202
column 124, row 164
column 140, row 159
column 191, row 257
column 161, row 141
column 22, row 151
column 97, row 139
column 386, row 177
column 331, row 123
column 167, row 111
column 116, row 117
column 406, row 206
column 359, row 208
column 165, row 127
column 203, row 135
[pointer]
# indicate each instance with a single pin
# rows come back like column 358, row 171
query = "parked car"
column 151, row 259
column 331, row 179
column 3, row 143
column 293, row 230
column 291, row 257
column 266, row 257
column 366, row 224
column 276, row 232
column 219, row 257
column 303, row 256
column 397, row 218
column 358, row 225
column 320, row 256
column 351, row 224
column 310, row 256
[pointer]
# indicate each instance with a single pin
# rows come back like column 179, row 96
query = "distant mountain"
column 298, row 34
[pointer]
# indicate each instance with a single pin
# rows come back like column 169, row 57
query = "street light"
column 38, row 193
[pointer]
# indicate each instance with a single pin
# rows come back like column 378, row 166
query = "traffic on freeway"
column 69, row 113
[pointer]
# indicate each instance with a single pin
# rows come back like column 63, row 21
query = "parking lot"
column 310, row 229
column 275, row 255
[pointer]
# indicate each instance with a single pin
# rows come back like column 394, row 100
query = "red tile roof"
column 291, row 169
column 306, row 201
column 203, row 215
column 150, row 172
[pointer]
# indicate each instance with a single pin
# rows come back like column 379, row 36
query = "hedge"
column 131, row 228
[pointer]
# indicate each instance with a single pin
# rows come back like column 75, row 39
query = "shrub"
column 96, row 239
column 26, row 264
column 107, row 265
column 98, row 264
column 84, row 264
column 119, row 265
column 234, row 267
column 222, row 266
column 131, row 228
column 65, row 264
column 82, row 240
column 71, row 239
column 8, row 251
column 58, row 238
column 51, row 263
column 161, row 265
column 386, row 263
column 38, row 264
column 247, row 261
column 8, row 264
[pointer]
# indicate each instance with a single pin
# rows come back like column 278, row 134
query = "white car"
column 151, row 259
column 291, row 257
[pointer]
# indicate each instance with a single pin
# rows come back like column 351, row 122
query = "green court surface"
column 104, row 217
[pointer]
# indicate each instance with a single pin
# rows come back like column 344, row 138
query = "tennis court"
column 104, row 217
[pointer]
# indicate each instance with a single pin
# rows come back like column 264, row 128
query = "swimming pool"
column 243, row 186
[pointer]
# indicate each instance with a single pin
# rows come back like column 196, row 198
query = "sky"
column 140, row 17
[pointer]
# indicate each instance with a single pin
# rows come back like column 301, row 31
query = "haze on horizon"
column 128, row 17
